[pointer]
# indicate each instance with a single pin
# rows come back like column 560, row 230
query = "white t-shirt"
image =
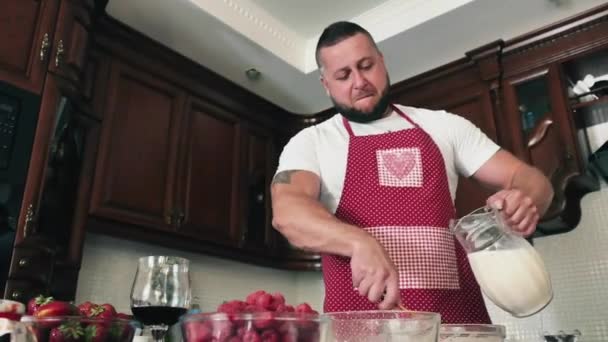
column 323, row 148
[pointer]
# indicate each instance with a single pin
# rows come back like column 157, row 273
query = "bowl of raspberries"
column 260, row 317
column 49, row 320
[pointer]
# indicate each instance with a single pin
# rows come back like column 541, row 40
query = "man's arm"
column 525, row 193
column 307, row 224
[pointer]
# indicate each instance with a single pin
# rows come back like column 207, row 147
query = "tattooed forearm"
column 283, row 177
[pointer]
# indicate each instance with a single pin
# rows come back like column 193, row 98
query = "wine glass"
column 160, row 292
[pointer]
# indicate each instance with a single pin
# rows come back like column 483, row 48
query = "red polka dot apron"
column 396, row 188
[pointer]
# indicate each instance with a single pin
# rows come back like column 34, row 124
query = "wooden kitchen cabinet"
column 54, row 205
column 540, row 128
column 261, row 159
column 136, row 170
column 209, row 180
column 179, row 162
column 539, row 123
column 71, row 38
column 27, row 30
column 174, row 162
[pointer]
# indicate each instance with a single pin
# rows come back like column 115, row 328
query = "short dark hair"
column 337, row 32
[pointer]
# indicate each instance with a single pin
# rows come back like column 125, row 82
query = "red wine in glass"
column 160, row 292
column 156, row 315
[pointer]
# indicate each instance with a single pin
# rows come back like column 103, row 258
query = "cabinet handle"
column 59, row 54
column 28, row 227
column 259, row 197
column 180, row 217
column 16, row 294
column 24, row 262
column 169, row 218
column 44, row 47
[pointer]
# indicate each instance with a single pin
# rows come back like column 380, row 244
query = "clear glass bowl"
column 376, row 326
column 471, row 333
column 259, row 326
column 78, row 328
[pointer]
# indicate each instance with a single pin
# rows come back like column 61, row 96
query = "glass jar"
column 471, row 333
column 508, row 269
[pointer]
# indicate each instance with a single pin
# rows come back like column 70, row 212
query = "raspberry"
column 264, row 301
column 270, row 336
column 252, row 297
column 304, row 308
column 278, row 298
column 264, row 320
column 251, row 336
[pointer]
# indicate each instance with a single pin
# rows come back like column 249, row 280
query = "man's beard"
column 360, row 116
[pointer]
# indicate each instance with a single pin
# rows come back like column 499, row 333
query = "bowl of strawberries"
column 50, row 320
column 261, row 317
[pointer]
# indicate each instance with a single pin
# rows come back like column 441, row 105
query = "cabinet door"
column 26, row 34
column 71, row 38
column 260, row 163
column 541, row 129
column 136, row 167
column 209, row 176
column 475, row 104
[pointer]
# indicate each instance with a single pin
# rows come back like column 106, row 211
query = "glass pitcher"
column 508, row 269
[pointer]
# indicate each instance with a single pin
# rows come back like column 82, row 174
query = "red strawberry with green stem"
column 34, row 303
column 91, row 310
column 96, row 333
column 56, row 308
column 67, row 332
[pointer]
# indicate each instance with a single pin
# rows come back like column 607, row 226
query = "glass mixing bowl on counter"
column 74, row 329
column 255, row 326
column 385, row 326
column 471, row 333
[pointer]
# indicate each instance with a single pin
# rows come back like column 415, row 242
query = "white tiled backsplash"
column 109, row 265
column 578, row 264
column 577, row 261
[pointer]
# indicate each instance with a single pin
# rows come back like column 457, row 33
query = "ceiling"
column 278, row 37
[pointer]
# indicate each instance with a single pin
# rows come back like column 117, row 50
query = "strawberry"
column 34, row 303
column 122, row 315
column 120, row 329
column 92, row 310
column 85, row 308
column 95, row 333
column 56, row 308
column 67, row 332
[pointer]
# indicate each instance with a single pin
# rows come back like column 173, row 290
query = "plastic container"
column 260, row 326
column 385, row 326
column 471, row 333
column 33, row 329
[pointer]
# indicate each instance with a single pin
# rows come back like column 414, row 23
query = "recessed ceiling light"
column 253, row 74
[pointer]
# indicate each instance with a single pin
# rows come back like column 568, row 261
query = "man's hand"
column 374, row 274
column 517, row 209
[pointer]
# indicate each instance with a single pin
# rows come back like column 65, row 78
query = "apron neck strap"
column 349, row 129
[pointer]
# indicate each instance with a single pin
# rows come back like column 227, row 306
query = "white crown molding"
column 395, row 16
column 258, row 25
